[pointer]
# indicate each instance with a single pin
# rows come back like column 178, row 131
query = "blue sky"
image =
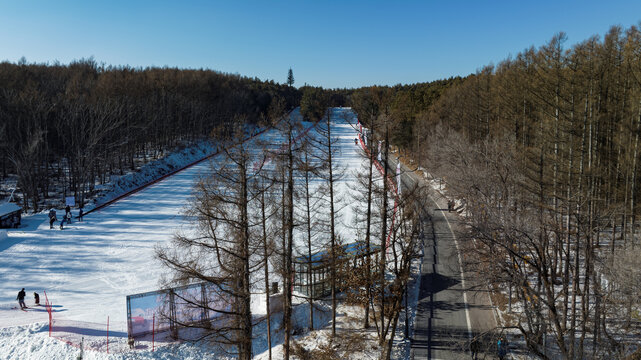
column 327, row 43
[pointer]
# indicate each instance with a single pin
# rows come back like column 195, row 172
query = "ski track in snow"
column 90, row 267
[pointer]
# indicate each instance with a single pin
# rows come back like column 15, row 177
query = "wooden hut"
column 10, row 215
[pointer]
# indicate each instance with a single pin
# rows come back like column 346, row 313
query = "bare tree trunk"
column 308, row 220
column 384, row 228
column 289, row 226
column 332, row 215
column 245, row 349
column 634, row 174
column 368, row 260
column 266, row 254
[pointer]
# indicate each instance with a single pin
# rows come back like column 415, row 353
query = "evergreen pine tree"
column 290, row 77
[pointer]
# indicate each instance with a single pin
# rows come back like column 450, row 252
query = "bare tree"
column 262, row 189
column 85, row 128
column 26, row 141
column 218, row 252
column 404, row 248
column 286, row 166
column 309, row 166
column 330, row 172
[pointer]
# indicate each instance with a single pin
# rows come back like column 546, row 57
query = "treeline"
column 543, row 149
column 407, row 107
column 71, row 126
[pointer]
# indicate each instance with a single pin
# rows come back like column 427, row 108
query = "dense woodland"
column 71, row 126
column 407, row 106
column 542, row 151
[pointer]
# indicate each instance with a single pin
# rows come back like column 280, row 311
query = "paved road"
column 447, row 317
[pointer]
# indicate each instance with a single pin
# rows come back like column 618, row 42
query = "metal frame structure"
column 174, row 307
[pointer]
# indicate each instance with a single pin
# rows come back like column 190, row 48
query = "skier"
column 36, row 298
column 68, row 214
column 80, row 213
column 62, row 222
column 20, row 299
column 355, row 141
column 52, row 218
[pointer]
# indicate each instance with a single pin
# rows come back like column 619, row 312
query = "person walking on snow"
column 36, row 298
column 52, row 218
column 20, row 299
column 67, row 210
column 80, row 213
column 501, row 348
column 475, row 347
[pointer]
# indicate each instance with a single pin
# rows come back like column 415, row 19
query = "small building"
column 10, row 215
column 353, row 256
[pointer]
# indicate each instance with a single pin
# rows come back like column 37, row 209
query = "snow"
column 88, row 268
column 355, row 343
column 154, row 170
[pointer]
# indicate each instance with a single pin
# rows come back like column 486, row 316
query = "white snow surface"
column 89, row 268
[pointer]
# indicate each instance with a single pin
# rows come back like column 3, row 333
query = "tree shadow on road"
column 433, row 283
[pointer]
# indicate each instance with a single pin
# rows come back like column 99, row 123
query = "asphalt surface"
column 452, row 310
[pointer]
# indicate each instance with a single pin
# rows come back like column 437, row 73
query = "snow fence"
column 153, row 317
column 168, row 309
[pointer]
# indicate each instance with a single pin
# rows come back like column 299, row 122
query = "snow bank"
column 155, row 170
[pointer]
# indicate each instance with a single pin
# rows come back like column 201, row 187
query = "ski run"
column 89, row 268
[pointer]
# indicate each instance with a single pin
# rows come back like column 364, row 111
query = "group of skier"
column 22, row 295
column 67, row 218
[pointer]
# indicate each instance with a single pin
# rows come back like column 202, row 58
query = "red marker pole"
column 107, row 334
column 48, row 306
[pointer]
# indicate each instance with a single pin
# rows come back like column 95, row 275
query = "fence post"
column 153, row 332
column 107, row 334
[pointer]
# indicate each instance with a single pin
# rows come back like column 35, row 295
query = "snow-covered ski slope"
column 88, row 268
